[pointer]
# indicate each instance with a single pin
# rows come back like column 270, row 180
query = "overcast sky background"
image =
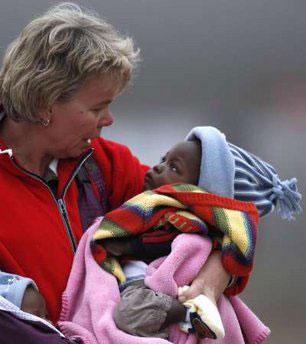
column 237, row 65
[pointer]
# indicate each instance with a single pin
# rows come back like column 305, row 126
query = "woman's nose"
column 106, row 119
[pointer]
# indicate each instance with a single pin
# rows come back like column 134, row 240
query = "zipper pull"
column 62, row 206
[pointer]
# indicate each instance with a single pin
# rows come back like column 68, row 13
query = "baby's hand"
column 119, row 247
column 33, row 302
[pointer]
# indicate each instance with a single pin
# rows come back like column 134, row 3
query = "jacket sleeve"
column 12, row 287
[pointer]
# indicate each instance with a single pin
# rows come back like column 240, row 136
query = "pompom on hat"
column 230, row 171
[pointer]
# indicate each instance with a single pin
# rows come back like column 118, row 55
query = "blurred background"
column 237, row 65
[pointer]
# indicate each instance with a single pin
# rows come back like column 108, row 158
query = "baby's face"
column 180, row 165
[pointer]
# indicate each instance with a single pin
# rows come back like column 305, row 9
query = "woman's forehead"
column 99, row 89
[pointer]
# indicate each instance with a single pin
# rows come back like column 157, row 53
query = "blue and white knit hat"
column 230, row 171
column 12, row 287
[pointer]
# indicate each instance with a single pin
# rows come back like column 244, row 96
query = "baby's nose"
column 158, row 168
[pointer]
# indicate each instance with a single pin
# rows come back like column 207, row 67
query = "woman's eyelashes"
column 97, row 111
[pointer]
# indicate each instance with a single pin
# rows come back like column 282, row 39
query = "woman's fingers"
column 189, row 292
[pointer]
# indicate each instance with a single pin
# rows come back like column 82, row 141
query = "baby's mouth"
column 148, row 182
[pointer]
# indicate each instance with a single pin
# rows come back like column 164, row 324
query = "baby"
column 23, row 313
column 207, row 160
column 23, row 293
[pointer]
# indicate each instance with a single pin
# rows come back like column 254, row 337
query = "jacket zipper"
column 64, row 215
column 60, row 201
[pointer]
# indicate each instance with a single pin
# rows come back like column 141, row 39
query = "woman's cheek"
column 90, row 128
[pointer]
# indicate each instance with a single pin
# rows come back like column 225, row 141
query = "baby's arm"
column 176, row 312
column 135, row 247
column 211, row 281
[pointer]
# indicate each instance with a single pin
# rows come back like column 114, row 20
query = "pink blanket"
column 92, row 293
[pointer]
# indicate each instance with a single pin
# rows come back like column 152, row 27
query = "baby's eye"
column 173, row 168
column 163, row 159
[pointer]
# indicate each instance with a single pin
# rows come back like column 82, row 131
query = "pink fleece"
column 92, row 293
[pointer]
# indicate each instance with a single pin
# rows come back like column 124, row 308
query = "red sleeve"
column 122, row 172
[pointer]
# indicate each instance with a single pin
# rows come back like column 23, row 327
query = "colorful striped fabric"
column 189, row 209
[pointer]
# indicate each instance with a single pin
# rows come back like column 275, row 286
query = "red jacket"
column 34, row 240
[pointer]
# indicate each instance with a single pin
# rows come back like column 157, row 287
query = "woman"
column 57, row 82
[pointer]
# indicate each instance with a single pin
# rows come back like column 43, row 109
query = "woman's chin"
column 72, row 154
column 81, row 150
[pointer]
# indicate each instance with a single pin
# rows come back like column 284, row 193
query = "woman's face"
column 74, row 123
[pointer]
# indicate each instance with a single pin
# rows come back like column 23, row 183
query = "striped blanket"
column 188, row 209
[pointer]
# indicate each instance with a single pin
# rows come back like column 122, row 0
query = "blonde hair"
column 54, row 55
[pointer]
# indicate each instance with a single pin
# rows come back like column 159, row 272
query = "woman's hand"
column 211, row 281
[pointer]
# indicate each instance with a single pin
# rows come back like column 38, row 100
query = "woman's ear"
column 45, row 117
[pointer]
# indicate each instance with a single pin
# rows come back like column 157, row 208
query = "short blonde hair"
column 53, row 56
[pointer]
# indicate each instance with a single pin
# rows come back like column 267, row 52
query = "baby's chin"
column 146, row 187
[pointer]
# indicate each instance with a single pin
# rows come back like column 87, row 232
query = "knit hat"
column 230, row 171
column 12, row 287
